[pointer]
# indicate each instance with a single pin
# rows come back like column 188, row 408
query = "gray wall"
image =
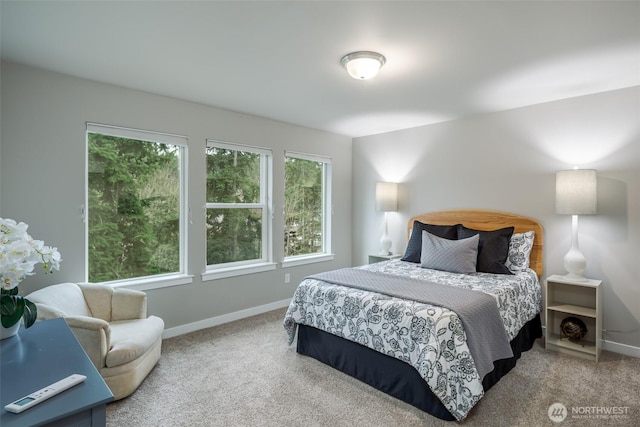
column 42, row 173
column 504, row 161
column 507, row 161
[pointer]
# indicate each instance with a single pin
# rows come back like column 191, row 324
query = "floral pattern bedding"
column 430, row 338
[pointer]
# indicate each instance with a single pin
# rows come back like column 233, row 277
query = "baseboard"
column 616, row 347
column 225, row 318
column 612, row 346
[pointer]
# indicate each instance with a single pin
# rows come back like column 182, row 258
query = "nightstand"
column 582, row 299
column 378, row 258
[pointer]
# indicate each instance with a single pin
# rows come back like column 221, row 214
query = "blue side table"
column 39, row 356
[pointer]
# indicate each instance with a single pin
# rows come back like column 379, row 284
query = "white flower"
column 19, row 254
column 10, row 230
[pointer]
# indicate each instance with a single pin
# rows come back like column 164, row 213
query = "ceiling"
column 281, row 60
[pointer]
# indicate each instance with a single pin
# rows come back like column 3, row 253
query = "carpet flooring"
column 244, row 374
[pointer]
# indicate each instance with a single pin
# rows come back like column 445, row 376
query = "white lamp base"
column 385, row 244
column 574, row 261
column 385, row 240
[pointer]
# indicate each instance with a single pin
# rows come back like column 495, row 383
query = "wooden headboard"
column 488, row 220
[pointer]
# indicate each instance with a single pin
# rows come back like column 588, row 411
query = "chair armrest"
column 127, row 304
column 94, row 336
column 46, row 312
column 88, row 323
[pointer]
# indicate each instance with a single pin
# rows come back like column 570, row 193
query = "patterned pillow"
column 456, row 256
column 519, row 251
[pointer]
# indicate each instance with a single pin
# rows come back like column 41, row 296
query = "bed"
column 434, row 333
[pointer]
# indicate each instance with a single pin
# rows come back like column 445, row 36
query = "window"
column 307, row 217
column 238, row 220
column 135, row 204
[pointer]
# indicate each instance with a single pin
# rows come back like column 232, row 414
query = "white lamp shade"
column 387, row 196
column 576, row 192
column 363, row 65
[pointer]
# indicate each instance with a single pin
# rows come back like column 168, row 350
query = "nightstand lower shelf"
column 582, row 349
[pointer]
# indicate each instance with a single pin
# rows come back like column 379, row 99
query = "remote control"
column 41, row 395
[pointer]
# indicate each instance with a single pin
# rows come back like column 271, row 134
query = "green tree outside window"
column 303, row 207
column 133, row 208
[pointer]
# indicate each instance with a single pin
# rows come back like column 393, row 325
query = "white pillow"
column 519, row 251
column 456, row 256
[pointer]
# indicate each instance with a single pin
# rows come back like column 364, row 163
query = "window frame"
column 265, row 263
column 155, row 281
column 327, row 212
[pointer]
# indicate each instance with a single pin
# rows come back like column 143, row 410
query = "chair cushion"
column 131, row 339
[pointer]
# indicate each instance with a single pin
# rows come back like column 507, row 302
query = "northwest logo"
column 557, row 412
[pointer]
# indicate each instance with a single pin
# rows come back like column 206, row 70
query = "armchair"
column 112, row 326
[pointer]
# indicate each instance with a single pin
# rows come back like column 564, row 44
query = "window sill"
column 152, row 282
column 221, row 273
column 306, row 259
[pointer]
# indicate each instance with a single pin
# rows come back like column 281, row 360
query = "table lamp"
column 576, row 194
column 386, row 201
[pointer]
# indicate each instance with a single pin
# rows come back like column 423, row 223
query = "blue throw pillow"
column 493, row 248
column 414, row 247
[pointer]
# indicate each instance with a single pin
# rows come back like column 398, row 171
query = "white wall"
column 42, row 170
column 507, row 161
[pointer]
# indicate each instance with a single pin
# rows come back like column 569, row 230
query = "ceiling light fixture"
column 363, row 65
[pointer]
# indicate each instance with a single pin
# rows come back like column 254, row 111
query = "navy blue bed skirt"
column 395, row 377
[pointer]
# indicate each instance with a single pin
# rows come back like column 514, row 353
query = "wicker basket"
column 573, row 328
